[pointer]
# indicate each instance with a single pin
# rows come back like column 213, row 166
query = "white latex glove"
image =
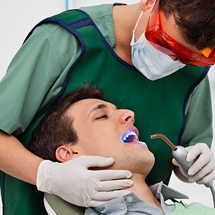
column 202, row 170
column 75, row 183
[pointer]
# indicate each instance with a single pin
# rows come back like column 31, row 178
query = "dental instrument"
column 180, row 154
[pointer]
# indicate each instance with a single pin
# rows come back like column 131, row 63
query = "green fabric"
column 198, row 117
column 192, row 209
column 150, row 100
column 22, row 198
column 39, row 74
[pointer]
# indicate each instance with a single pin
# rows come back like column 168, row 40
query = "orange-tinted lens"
column 163, row 42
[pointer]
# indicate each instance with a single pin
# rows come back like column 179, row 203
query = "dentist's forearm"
column 16, row 160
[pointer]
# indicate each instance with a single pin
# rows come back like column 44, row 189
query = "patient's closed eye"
column 104, row 116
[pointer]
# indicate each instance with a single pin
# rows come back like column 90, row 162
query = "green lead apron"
column 158, row 105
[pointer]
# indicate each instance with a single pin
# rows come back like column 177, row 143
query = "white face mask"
column 151, row 62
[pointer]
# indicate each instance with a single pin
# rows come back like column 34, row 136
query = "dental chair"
column 56, row 206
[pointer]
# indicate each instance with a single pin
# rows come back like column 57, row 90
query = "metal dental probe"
column 180, row 154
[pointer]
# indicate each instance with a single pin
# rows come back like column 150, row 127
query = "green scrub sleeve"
column 34, row 76
column 199, row 116
column 37, row 71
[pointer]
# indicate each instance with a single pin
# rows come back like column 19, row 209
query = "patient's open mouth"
column 129, row 136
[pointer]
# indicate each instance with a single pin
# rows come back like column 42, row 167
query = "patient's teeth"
column 130, row 134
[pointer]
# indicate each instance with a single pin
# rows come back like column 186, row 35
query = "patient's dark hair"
column 195, row 19
column 56, row 128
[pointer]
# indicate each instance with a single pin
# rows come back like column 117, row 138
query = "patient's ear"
column 146, row 4
column 66, row 152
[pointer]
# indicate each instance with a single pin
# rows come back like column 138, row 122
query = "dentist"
column 150, row 57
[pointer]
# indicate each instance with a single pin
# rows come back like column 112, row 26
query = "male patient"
column 83, row 123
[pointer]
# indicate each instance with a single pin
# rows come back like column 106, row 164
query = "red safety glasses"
column 163, row 42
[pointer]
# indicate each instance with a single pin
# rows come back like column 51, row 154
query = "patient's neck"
column 142, row 191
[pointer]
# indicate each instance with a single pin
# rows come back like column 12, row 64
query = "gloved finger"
column 208, row 178
column 196, row 150
column 106, row 196
column 205, row 171
column 174, row 162
column 106, row 175
column 183, row 171
column 95, row 161
column 115, row 185
column 202, row 161
column 93, row 203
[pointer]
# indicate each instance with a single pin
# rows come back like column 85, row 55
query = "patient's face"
column 107, row 131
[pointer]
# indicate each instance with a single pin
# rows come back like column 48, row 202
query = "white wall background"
column 16, row 20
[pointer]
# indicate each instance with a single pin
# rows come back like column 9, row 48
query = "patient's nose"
column 127, row 116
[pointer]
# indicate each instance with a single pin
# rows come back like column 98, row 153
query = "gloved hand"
column 202, row 170
column 75, row 183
